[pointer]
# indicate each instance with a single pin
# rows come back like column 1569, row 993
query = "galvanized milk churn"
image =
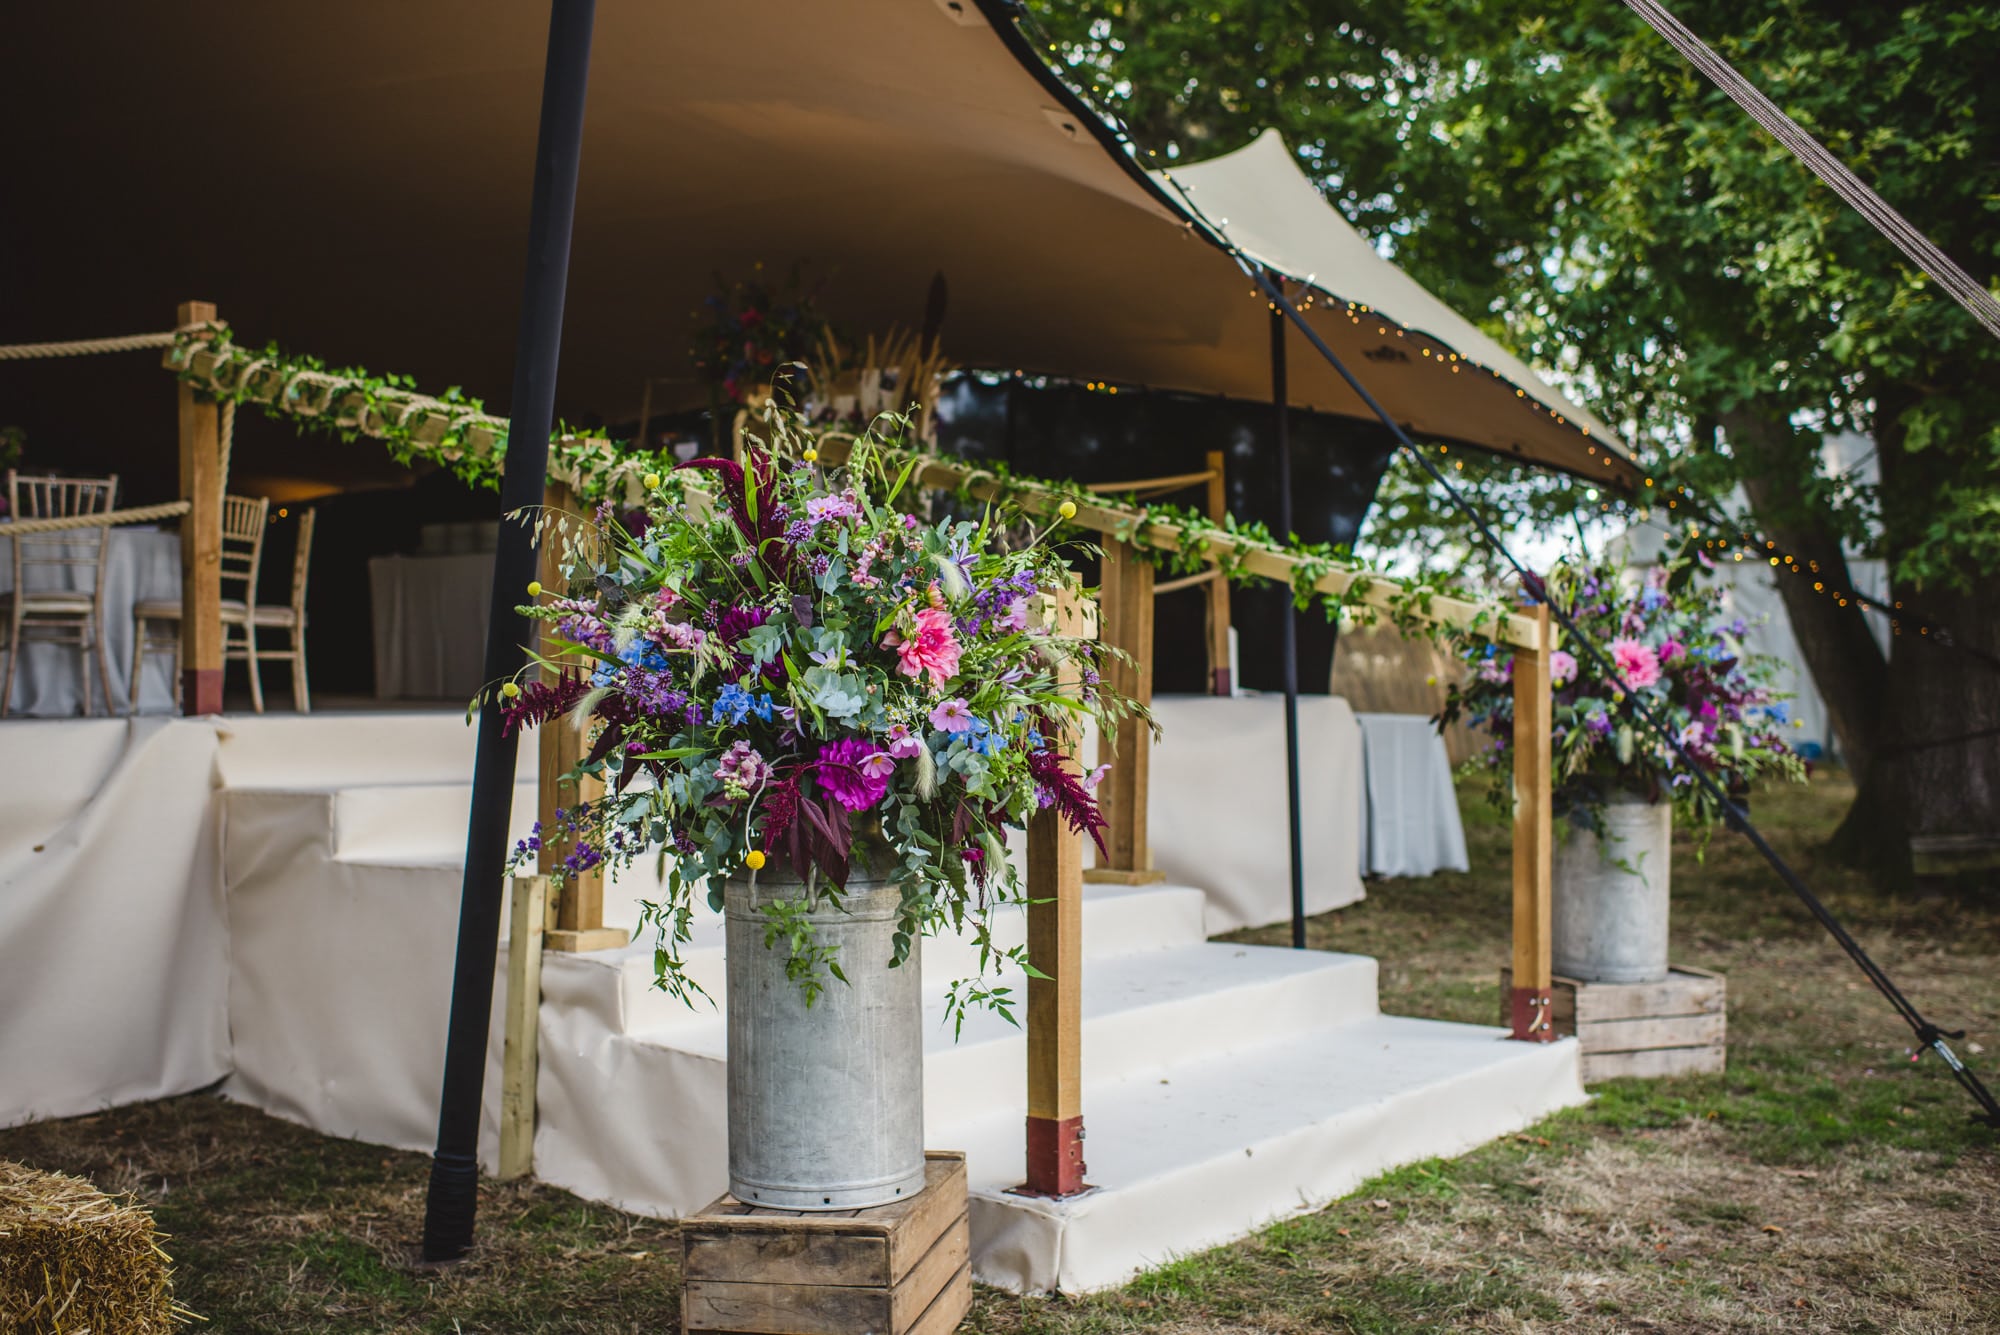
column 826, row 1103
column 1609, row 895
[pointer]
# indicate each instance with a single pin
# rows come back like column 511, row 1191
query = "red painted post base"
column 1222, row 684
column 201, row 691
column 1533, row 1013
column 1055, row 1157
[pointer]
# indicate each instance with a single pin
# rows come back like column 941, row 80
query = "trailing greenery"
column 454, row 431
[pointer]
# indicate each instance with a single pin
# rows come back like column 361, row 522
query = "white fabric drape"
column 1217, row 819
column 430, row 624
column 1413, row 826
column 114, row 956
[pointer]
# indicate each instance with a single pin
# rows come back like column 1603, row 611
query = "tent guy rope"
column 1832, row 172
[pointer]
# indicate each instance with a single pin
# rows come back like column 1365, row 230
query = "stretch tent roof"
column 352, row 180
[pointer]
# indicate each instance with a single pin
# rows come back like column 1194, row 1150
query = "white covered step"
column 1229, row 1140
column 1116, row 921
column 415, row 824
column 1141, row 1013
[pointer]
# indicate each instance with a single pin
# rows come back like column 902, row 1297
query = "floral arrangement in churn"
column 748, row 330
column 780, row 666
column 1671, row 648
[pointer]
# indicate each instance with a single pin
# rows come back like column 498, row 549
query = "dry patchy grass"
column 1823, row 1184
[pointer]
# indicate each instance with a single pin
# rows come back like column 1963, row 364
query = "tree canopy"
column 1560, row 173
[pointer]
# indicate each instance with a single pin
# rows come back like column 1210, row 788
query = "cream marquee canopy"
column 352, row 180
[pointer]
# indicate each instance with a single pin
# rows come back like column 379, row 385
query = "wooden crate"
column 900, row 1269
column 1677, row 1026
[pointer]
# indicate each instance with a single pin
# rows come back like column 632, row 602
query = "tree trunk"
column 1846, row 663
column 1919, row 729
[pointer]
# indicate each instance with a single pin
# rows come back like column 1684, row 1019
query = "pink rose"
column 932, row 649
column 1637, row 664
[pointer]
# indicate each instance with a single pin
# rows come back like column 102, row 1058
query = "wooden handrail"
column 1152, row 486
column 1187, row 581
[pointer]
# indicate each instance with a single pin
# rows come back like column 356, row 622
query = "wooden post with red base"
column 1055, row 1002
column 1530, row 1000
column 201, row 540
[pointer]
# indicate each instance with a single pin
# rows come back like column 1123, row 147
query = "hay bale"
column 74, row 1261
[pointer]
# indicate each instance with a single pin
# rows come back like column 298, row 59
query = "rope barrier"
column 83, row 347
column 21, row 528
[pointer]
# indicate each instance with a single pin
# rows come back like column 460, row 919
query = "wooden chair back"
column 65, row 549
column 244, row 520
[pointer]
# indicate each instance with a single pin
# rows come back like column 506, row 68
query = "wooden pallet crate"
column 899, row 1269
column 1677, row 1026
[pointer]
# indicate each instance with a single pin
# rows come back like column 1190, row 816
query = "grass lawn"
column 1825, row 1183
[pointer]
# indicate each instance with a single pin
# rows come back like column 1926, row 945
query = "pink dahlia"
column 1562, row 667
column 1638, row 665
column 844, row 772
column 932, row 649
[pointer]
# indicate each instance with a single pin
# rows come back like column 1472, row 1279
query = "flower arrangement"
column 748, row 329
column 1669, row 648
column 775, row 664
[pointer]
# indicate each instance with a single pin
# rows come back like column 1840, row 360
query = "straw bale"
column 74, row 1261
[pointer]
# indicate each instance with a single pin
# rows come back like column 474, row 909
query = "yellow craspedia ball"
column 1067, row 509
column 509, row 689
column 1431, row 680
column 651, row 480
column 534, row 588
column 810, row 456
column 754, row 859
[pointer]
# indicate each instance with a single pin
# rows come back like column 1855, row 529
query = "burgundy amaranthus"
column 540, row 701
column 1065, row 792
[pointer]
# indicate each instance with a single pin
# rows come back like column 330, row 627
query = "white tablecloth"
column 1218, row 815
column 1413, row 827
column 429, row 614
column 114, row 958
column 143, row 563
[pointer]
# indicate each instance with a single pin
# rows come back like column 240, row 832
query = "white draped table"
column 1219, row 815
column 1413, row 827
column 429, row 615
column 142, row 563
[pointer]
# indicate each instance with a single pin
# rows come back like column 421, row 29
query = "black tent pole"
column 453, row 1199
column 1281, row 402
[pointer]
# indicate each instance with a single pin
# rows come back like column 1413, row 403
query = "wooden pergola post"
column 520, row 1053
column 1219, row 676
column 1126, row 600
column 1055, row 1009
column 201, row 540
column 579, row 906
column 1534, row 831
